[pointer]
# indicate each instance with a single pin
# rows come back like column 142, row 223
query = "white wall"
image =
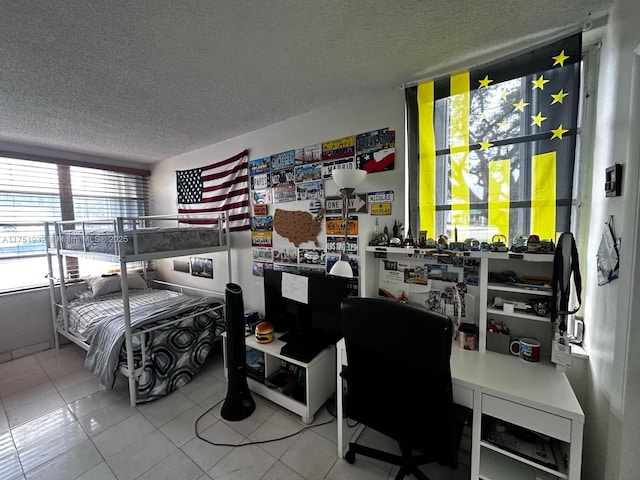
column 365, row 113
column 612, row 430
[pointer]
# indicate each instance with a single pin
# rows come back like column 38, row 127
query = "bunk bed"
column 156, row 337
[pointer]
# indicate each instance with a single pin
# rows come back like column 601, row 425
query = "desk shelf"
column 318, row 375
column 496, row 466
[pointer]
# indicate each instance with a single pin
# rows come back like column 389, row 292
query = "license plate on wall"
column 380, row 209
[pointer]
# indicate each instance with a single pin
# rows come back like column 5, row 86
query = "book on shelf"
column 520, row 441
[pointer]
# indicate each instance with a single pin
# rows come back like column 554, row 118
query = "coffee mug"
column 527, row 349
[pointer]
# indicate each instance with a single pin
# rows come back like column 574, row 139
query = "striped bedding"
column 175, row 352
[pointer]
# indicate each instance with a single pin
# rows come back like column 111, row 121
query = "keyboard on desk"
column 302, row 347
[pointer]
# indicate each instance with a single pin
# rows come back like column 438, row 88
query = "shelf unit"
column 521, row 323
column 319, row 380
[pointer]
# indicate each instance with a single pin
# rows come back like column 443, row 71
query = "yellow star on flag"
column 504, row 95
column 483, row 116
column 539, row 83
column 485, row 145
column 558, row 132
column 558, row 97
column 559, row 59
column 537, row 119
column 504, row 125
column 485, row 82
column 520, row 106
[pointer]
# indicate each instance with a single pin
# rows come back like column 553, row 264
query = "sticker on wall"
column 315, row 206
column 259, row 209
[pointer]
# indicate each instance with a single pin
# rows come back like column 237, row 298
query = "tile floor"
column 57, row 423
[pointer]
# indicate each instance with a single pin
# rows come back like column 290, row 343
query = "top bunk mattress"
column 148, row 240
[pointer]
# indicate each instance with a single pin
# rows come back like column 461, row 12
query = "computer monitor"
column 282, row 312
column 320, row 316
column 326, row 294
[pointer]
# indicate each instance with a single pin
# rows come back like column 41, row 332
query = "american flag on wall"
column 219, row 187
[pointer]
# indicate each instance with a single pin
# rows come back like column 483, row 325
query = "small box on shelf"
column 498, row 342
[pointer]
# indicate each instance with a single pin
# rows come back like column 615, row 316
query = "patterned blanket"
column 175, row 353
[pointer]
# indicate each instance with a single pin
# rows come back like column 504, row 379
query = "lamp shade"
column 341, row 269
column 348, row 178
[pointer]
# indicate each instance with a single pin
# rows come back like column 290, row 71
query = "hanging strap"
column 565, row 264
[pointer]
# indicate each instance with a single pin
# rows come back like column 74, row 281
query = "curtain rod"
column 521, row 47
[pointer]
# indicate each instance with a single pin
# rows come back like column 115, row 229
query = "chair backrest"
column 399, row 377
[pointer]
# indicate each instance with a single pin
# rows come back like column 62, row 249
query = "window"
column 32, row 192
column 491, row 150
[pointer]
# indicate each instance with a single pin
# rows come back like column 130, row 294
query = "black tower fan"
column 239, row 403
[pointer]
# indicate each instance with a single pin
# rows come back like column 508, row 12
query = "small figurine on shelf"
column 409, row 241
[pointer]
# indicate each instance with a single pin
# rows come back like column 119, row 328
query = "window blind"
column 32, row 192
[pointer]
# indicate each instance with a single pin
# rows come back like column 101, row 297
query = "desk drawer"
column 462, row 396
column 527, row 417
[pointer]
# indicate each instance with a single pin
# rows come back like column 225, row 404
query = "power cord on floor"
column 256, row 442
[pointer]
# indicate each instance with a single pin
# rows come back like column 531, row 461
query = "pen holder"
column 498, row 342
column 468, row 336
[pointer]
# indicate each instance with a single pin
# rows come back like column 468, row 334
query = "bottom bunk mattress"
column 174, row 351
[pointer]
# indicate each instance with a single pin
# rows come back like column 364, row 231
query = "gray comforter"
column 107, row 338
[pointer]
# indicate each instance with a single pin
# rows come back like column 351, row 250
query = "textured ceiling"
column 147, row 80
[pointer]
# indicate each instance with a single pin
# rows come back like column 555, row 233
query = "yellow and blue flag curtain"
column 492, row 149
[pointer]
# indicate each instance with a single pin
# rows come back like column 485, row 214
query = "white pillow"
column 112, row 283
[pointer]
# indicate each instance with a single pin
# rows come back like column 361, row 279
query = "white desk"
column 536, row 396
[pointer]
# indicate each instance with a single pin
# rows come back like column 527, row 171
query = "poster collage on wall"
column 299, row 175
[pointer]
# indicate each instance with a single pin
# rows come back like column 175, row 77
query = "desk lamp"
column 347, row 180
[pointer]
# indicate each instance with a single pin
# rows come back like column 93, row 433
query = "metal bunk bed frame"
column 53, row 239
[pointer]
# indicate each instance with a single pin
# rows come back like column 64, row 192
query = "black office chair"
column 399, row 382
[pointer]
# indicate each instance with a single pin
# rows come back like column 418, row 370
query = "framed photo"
column 202, row 267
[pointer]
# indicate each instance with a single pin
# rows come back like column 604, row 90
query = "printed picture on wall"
column 262, row 223
column 284, row 193
column 310, row 154
column 339, row 148
column 259, row 268
column 259, row 165
column 375, row 151
column 282, row 177
column 202, row 267
column 283, row 160
column 309, row 190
